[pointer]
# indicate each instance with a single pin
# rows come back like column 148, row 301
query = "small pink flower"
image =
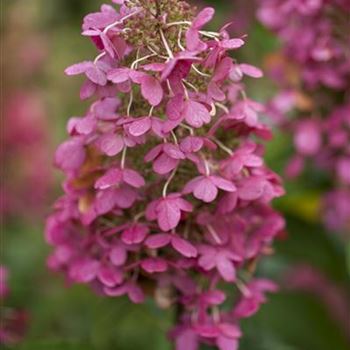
column 206, row 188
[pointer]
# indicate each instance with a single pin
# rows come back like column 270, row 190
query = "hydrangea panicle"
column 163, row 179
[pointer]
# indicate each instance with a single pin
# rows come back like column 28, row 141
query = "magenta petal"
column 183, row 247
column 135, row 294
column 140, row 127
column 109, row 276
column 158, row 240
column 196, row 114
column 105, row 201
column 169, row 214
column 184, row 205
column 173, row 151
column 225, row 343
column 78, row 68
column 153, row 153
column 118, row 256
column 207, row 259
column 70, row 155
column 110, row 178
column 96, row 75
column 116, row 292
column 135, row 234
column 230, row 330
column 133, row 178
column 232, row 43
column 151, row 90
column 111, row 144
column 205, row 190
column 125, row 197
column 174, row 107
column 252, row 188
column 214, row 297
column 226, row 268
column 84, row 271
column 203, row 17
column 251, row 71
column 152, row 265
column 187, row 340
column 191, row 144
column 223, row 184
column 118, row 75
column 164, row 164
column 87, row 89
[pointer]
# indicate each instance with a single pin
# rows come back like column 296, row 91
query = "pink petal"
column 174, row 107
column 251, row 188
column 251, row 71
column 70, row 155
column 96, row 75
column 223, row 184
column 87, row 89
column 230, row 330
column 205, row 190
column 203, row 17
column 151, row 90
column 111, row 144
column 192, row 39
column 225, row 343
column 118, row 256
column 214, row 297
column 191, row 185
column 169, row 214
column 223, row 69
column 187, row 340
column 184, row 205
column 196, row 114
column 135, row 234
column 125, row 197
column 78, row 68
column 135, row 294
column 112, row 177
column 140, row 127
column 191, row 144
column 183, row 247
column 152, row 265
column 232, row 43
column 84, row 271
column 225, row 268
column 153, row 153
column 118, row 75
column 109, row 276
column 116, row 292
column 158, row 240
column 105, row 201
column 133, row 178
column 173, row 151
column 164, row 164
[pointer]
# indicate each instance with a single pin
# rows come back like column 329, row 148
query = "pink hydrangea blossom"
column 163, row 181
column 314, row 79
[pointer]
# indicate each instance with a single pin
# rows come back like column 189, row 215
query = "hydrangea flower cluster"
column 166, row 190
column 316, row 41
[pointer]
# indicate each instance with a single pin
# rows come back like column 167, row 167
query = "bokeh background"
column 39, row 39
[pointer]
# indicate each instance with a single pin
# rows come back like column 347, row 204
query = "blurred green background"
column 72, row 317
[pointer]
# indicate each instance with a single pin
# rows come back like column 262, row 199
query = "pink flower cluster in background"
column 316, row 46
column 13, row 323
column 27, row 178
column 333, row 296
column 166, row 190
